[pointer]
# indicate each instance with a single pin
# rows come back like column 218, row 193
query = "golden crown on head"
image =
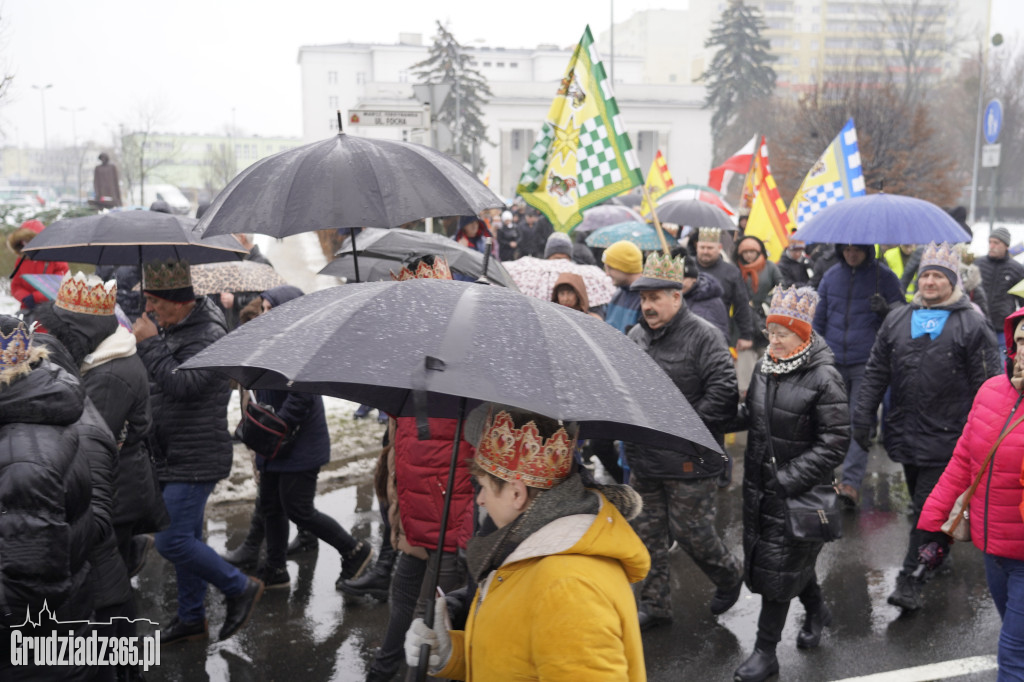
column 798, row 303
column 659, row 266
column 943, row 255
column 709, row 234
column 164, row 276
column 439, row 270
column 522, row 454
column 14, row 347
column 86, row 294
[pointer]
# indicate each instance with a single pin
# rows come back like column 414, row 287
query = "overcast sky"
column 205, row 63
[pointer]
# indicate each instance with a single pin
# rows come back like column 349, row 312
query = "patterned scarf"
column 772, row 365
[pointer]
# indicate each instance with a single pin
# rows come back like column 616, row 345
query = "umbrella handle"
column 487, row 254
column 352, row 232
column 434, row 570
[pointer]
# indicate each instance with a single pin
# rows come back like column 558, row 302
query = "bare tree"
column 221, row 163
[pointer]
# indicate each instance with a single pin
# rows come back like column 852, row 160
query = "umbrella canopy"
column 536, row 277
column 402, row 246
column 882, row 219
column 243, row 275
column 130, row 238
column 385, row 343
column 49, row 285
column 371, row 268
column 694, row 213
column 604, row 215
column 346, row 182
column 643, row 235
column 696, row 193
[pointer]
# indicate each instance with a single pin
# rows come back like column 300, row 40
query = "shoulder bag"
column 814, row 515
column 263, row 431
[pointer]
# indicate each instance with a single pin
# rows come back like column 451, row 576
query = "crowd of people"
column 106, row 449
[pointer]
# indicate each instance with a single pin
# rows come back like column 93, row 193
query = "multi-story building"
column 360, row 76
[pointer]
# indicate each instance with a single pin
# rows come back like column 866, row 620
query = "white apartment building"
column 351, row 76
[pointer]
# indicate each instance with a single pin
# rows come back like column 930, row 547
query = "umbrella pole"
column 487, row 255
column 352, row 232
column 657, row 223
column 17, row 266
column 434, row 569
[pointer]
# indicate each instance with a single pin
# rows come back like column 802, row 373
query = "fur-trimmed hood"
column 17, row 240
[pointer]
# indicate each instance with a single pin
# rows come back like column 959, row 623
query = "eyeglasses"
column 780, row 335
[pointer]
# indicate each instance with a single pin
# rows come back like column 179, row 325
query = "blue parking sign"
column 993, row 122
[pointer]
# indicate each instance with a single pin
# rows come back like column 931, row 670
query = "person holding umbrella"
column 554, row 597
column 799, row 427
column 678, row 486
column 28, row 295
column 473, row 232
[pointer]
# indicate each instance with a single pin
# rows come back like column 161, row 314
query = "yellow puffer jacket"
column 560, row 607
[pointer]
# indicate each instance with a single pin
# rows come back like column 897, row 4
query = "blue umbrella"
column 882, row 219
column 641, row 234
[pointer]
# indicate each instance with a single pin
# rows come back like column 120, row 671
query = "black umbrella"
column 371, row 268
column 402, row 246
column 130, row 238
column 695, row 213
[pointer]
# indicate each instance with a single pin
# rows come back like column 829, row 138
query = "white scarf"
column 120, row 344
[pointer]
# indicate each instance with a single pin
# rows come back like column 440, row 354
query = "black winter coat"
column 705, row 300
column 736, row 296
column 190, row 440
column 810, row 432
column 794, row 271
column 311, row 448
column 933, row 382
column 997, row 276
column 695, row 356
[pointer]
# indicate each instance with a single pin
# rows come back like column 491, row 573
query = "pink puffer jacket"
column 996, row 510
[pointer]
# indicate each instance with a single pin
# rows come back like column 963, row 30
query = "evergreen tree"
column 739, row 78
column 461, row 110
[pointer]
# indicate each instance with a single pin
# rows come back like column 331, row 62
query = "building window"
column 332, row 102
column 516, row 139
column 332, row 77
column 487, row 63
column 513, row 65
column 500, row 65
column 360, row 78
column 403, row 76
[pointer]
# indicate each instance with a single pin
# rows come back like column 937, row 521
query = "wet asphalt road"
column 310, row 634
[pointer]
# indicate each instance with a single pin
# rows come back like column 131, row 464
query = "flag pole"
column 657, row 223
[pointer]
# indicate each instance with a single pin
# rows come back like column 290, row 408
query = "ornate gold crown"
column 160, row 276
column 14, row 347
column 522, row 454
column 439, row 270
column 793, row 302
column 942, row 255
column 86, row 294
column 659, row 266
column 709, row 234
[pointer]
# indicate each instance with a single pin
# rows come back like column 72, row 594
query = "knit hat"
column 522, row 453
column 171, row 281
column 1002, row 234
column 466, row 220
column 624, row 256
column 711, row 235
column 87, row 294
column 660, row 272
column 425, row 267
column 690, row 268
column 558, row 243
column 793, row 308
column 941, row 257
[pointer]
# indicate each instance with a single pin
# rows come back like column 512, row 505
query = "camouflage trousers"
column 683, row 510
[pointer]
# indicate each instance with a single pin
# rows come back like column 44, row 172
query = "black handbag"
column 811, row 516
column 263, row 431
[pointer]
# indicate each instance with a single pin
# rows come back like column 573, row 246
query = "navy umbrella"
column 882, row 219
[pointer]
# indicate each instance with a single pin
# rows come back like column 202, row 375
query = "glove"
column 932, row 554
column 438, row 639
column 862, row 437
column 29, row 302
column 878, row 305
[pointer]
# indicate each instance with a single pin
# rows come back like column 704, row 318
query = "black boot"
column 907, row 594
column 760, row 666
column 247, row 555
column 810, row 634
column 376, row 582
column 304, row 541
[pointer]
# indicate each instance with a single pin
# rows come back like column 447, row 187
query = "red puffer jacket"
column 998, row 503
column 16, row 241
column 421, row 474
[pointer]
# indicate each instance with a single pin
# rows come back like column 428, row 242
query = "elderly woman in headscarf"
column 799, row 429
column 554, row 598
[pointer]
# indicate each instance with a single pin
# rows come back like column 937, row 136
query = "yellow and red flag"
column 768, row 220
column 659, row 181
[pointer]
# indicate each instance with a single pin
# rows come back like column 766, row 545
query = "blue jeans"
column 1006, row 585
column 856, row 463
column 195, row 563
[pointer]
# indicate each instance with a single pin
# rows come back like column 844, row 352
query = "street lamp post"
column 42, row 98
column 74, row 143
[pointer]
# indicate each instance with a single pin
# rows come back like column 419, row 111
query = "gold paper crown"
column 709, row 234
column 160, row 276
column 793, row 302
column 659, row 266
column 439, row 270
column 86, row 294
column 14, row 347
column 942, row 255
column 522, row 454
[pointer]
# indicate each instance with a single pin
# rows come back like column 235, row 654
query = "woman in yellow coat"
column 554, row 601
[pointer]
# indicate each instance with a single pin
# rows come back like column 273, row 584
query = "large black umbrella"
column 130, row 238
column 695, row 213
column 402, row 246
column 346, row 182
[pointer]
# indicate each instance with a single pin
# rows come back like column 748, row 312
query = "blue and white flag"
column 837, row 175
